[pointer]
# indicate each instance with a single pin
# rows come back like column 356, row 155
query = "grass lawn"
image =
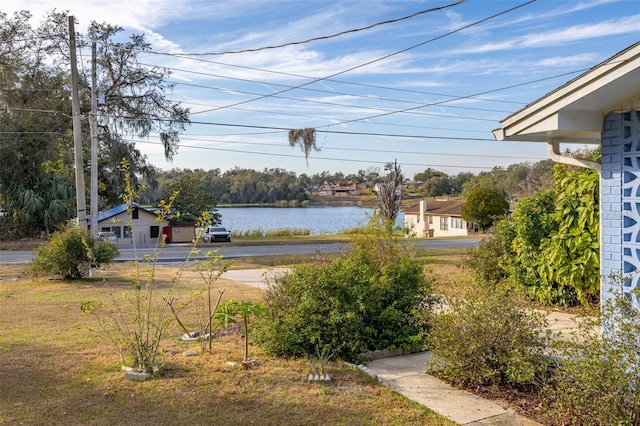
column 56, row 368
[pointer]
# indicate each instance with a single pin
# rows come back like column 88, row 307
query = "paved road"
column 177, row 253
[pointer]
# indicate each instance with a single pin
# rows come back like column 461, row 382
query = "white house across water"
column 437, row 218
column 602, row 106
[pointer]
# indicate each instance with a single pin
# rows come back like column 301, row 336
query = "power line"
column 249, row 126
column 373, row 86
column 333, row 93
column 381, row 58
column 325, row 118
column 293, row 43
column 354, row 149
column 316, row 157
column 311, row 101
column 441, row 102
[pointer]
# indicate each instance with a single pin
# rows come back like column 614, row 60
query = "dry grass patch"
column 56, row 368
column 447, row 267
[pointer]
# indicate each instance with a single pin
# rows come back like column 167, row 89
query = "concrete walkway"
column 406, row 374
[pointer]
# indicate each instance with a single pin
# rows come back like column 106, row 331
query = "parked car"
column 216, row 233
column 109, row 237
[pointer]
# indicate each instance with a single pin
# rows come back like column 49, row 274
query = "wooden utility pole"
column 93, row 126
column 81, row 201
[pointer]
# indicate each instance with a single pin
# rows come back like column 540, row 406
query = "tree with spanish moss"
column 389, row 192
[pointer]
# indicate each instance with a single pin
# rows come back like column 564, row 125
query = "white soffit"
column 574, row 113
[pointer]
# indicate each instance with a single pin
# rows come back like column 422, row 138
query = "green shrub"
column 598, row 377
column 488, row 338
column 365, row 299
column 489, row 259
column 548, row 249
column 71, row 254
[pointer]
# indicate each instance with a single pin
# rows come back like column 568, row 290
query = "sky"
column 425, row 91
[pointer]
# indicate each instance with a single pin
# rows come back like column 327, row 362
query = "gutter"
column 554, row 153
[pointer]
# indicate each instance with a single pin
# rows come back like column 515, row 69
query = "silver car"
column 216, row 233
column 109, row 237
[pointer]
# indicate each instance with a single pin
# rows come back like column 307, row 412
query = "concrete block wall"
column 620, row 202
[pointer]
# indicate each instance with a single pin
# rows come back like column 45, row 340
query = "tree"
column 539, row 178
column 192, row 199
column 35, row 107
column 483, row 206
column 390, row 192
column 437, row 186
column 136, row 104
column 35, row 139
column 246, row 309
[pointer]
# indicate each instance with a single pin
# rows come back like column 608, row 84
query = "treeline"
column 248, row 186
column 270, row 186
column 198, row 190
column 514, row 182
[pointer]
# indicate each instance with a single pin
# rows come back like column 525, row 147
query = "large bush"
column 598, row 376
column 548, row 249
column 489, row 338
column 366, row 299
column 572, row 251
column 71, row 254
column 490, row 259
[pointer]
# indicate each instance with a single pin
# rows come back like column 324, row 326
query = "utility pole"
column 81, row 201
column 93, row 126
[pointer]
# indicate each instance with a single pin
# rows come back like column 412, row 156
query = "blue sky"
column 424, row 91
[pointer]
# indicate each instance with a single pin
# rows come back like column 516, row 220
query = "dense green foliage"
column 37, row 187
column 489, row 338
column 71, row 254
column 597, row 378
column 191, row 199
column 483, row 206
column 37, row 193
column 236, row 186
column 515, row 181
column 368, row 298
column 548, row 249
column 572, row 250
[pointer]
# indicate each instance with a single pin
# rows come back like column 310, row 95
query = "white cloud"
column 568, row 61
column 625, row 25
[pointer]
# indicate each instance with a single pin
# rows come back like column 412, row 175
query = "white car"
column 109, row 237
column 216, row 233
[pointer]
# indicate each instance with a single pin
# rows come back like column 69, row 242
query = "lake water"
column 319, row 220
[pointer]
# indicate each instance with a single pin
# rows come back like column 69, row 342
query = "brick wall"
column 620, row 201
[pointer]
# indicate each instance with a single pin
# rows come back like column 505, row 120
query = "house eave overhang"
column 574, row 113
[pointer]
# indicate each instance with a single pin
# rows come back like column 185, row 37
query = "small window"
column 430, row 220
column 444, row 223
column 154, row 231
column 456, row 222
column 134, row 213
column 127, row 231
column 116, row 230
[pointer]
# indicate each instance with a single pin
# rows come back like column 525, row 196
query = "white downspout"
column 554, row 153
